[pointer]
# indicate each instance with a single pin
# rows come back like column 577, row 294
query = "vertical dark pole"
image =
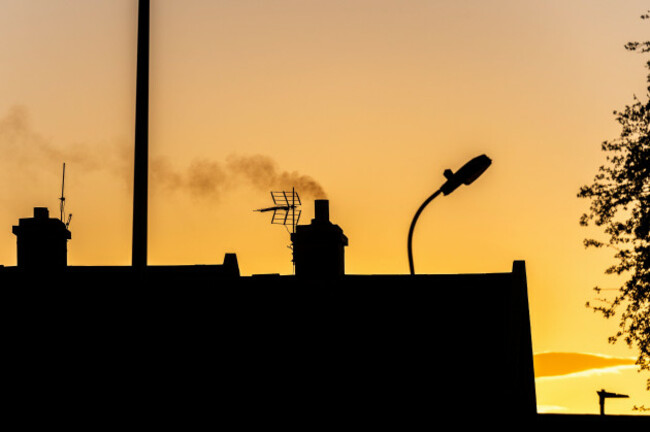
column 141, row 168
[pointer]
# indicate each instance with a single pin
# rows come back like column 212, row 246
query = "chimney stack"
column 318, row 248
column 42, row 241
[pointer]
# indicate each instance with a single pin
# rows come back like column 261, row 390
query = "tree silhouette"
column 620, row 205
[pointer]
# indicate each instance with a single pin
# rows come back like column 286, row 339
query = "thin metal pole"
column 62, row 199
column 415, row 219
column 141, row 167
column 293, row 223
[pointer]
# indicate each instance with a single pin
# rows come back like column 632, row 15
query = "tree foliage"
column 620, row 206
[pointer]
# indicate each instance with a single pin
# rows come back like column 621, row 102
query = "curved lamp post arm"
column 465, row 175
column 415, row 219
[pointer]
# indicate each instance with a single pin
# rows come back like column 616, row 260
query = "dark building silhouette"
column 42, row 241
column 319, row 248
column 278, row 349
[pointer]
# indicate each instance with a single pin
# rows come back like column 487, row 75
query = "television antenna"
column 62, row 199
column 286, row 210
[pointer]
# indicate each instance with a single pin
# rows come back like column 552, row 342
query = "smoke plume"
column 209, row 179
column 203, row 179
column 33, row 153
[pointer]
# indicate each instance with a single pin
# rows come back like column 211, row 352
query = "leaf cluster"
column 620, row 206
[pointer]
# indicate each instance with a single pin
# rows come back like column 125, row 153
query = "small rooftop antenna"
column 62, row 199
column 285, row 211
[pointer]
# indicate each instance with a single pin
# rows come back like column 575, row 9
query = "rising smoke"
column 35, row 154
column 209, row 179
column 203, row 179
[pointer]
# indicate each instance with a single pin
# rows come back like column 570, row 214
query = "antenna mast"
column 62, row 199
column 294, row 222
column 285, row 211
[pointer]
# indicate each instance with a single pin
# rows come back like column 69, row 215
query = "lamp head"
column 466, row 174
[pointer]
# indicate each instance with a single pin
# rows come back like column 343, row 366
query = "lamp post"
column 465, row 175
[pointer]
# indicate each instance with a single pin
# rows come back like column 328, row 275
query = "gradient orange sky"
column 373, row 99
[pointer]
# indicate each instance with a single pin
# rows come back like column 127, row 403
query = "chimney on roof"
column 42, row 241
column 321, row 211
column 318, row 248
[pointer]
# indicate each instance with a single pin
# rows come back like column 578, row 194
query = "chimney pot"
column 322, row 210
column 41, row 213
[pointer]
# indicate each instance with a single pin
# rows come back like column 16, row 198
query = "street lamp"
column 465, row 175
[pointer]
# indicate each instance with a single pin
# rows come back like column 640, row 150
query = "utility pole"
column 141, row 160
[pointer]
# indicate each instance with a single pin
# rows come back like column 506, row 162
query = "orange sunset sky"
column 370, row 100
